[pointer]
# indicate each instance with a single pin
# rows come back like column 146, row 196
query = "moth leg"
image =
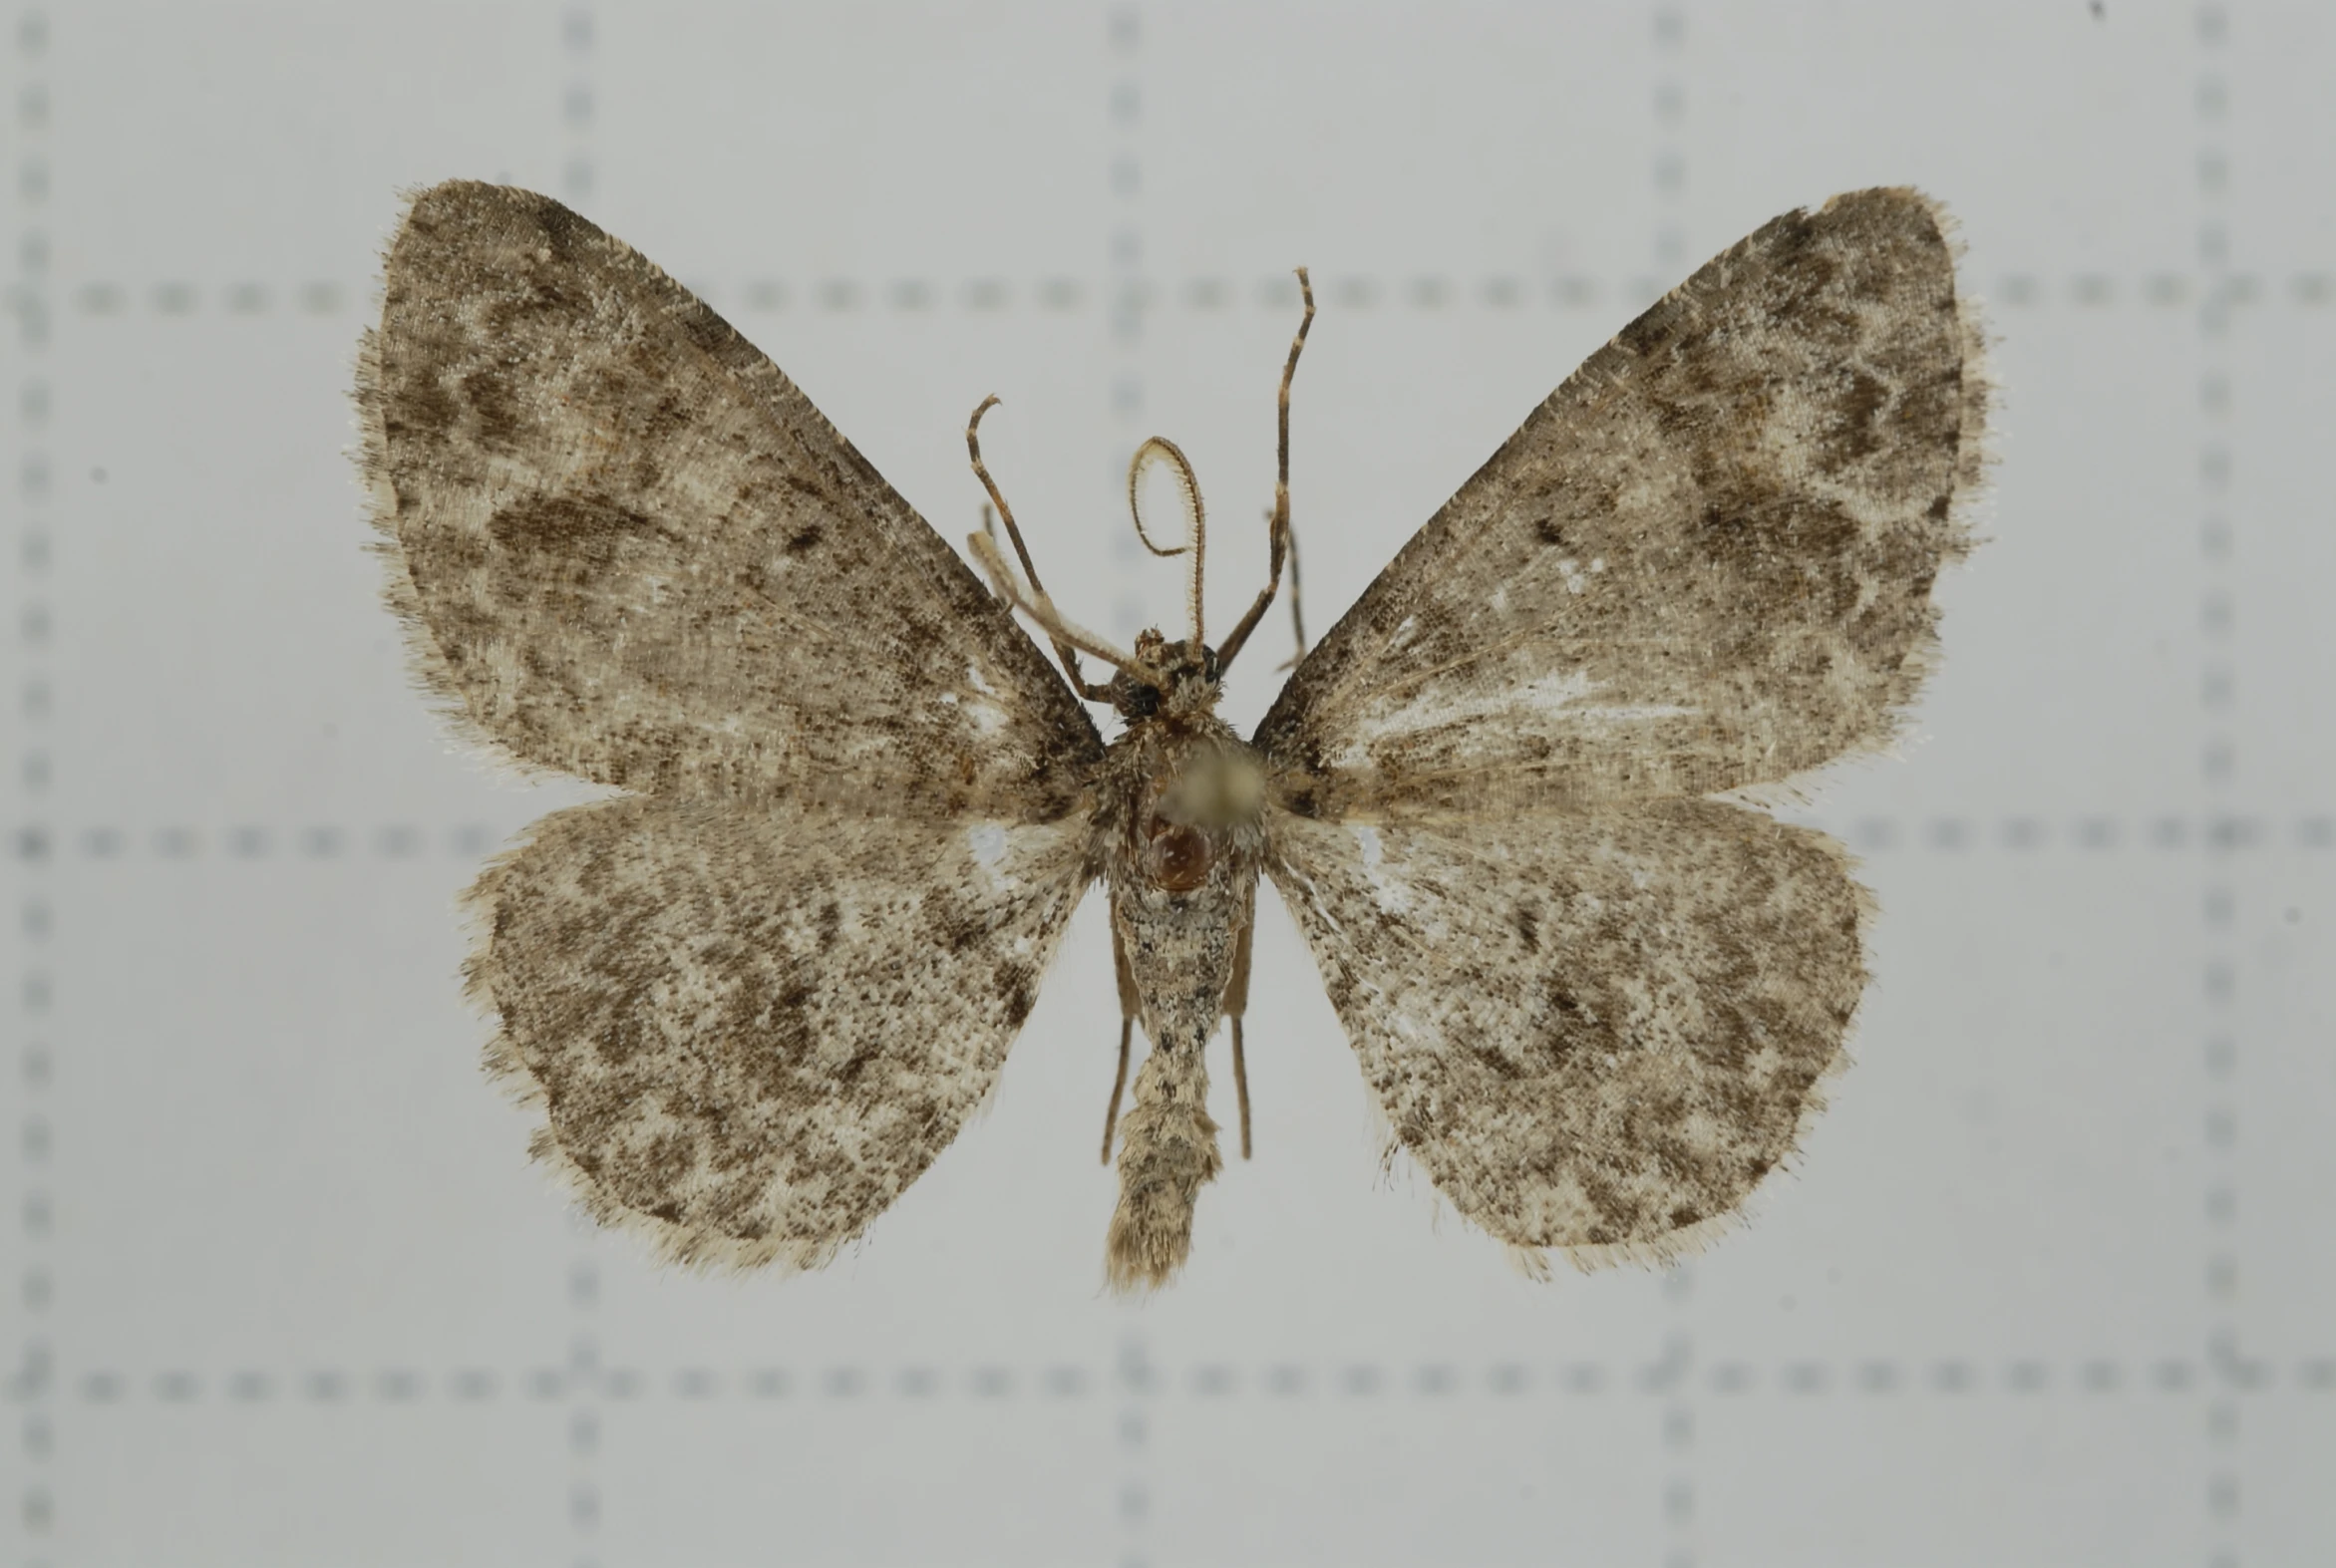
column 1236, row 1003
column 1278, row 523
column 1127, row 1006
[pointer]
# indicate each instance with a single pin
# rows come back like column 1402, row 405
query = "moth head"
column 1166, row 678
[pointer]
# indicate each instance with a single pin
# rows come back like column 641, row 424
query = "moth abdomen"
column 1167, row 1156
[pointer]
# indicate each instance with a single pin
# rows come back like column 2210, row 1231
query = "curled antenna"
column 1160, row 449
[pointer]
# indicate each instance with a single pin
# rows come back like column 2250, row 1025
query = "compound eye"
column 1177, row 857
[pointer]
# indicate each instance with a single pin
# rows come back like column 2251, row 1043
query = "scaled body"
column 1180, row 841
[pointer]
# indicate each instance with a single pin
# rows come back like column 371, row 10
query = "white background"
column 2053, row 1283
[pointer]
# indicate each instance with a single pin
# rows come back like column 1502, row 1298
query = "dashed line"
column 2221, row 833
column 2218, row 693
column 1277, row 295
column 1138, row 1384
column 33, row 1384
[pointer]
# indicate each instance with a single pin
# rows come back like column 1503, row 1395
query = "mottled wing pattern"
column 626, row 547
column 749, row 1032
column 1595, row 1029
column 1705, row 562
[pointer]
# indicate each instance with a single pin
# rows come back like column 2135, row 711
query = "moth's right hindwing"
column 626, row 547
column 749, row 1032
column 1593, row 1032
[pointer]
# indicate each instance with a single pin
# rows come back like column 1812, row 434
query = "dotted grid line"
column 2220, row 835
column 1124, row 27
column 2217, row 766
column 1278, row 294
column 33, row 1384
column 1674, row 1375
column 577, row 106
column 1666, row 1380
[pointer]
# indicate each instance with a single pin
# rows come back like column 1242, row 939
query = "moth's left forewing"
column 1703, row 563
column 1596, row 1032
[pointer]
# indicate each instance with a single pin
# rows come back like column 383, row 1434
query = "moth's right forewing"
column 749, row 1032
column 1596, row 1031
column 628, row 548
column 1704, row 563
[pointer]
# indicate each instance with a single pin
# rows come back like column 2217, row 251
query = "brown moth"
column 757, row 993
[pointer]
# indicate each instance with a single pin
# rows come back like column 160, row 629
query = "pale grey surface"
column 2053, row 1284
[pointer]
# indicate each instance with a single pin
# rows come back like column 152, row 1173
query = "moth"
column 1512, row 801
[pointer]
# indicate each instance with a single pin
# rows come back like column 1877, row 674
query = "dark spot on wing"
column 656, row 1172
column 709, row 331
column 417, row 406
column 730, row 1208
column 1496, row 1061
column 1547, row 530
column 1857, row 423
column 495, row 414
column 1783, row 542
column 622, row 1040
column 1615, row 1210
column 801, row 542
column 563, row 231
column 1787, row 239
column 587, row 532
column 1013, row 990
column 668, row 421
column 765, row 1040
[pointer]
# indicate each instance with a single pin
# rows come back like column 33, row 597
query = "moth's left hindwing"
column 749, row 1031
column 626, row 547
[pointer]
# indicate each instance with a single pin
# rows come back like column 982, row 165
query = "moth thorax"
column 1177, row 856
column 1186, row 818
